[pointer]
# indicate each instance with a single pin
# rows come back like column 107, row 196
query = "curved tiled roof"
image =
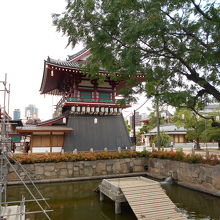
column 63, row 63
column 53, row 120
column 168, row 128
column 77, row 54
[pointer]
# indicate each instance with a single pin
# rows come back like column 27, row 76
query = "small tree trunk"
column 158, row 125
column 219, row 145
column 197, row 144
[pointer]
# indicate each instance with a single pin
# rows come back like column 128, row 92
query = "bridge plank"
column 147, row 199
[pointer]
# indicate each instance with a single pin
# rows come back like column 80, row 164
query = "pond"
column 77, row 200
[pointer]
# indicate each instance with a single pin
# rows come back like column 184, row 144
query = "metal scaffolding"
column 10, row 210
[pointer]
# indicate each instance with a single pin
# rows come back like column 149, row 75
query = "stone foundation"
column 202, row 177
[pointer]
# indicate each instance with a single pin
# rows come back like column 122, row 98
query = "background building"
column 139, row 120
column 178, row 134
column 210, row 109
column 16, row 114
column 87, row 107
column 31, row 111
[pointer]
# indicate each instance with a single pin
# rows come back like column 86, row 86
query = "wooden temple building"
column 44, row 139
column 87, row 107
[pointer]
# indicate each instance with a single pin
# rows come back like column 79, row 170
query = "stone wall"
column 63, row 170
column 200, row 177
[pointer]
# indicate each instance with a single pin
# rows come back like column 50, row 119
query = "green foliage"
column 179, row 149
column 188, row 158
column 212, row 134
column 143, row 154
column 69, row 157
column 165, row 139
column 194, row 125
column 87, row 156
column 179, row 156
column 128, row 126
column 144, row 129
column 198, row 129
column 197, row 158
column 173, row 43
column 153, row 121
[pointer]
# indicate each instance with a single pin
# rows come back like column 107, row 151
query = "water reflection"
column 74, row 201
column 194, row 204
column 79, row 201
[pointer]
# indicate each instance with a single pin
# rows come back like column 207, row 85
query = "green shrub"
column 179, row 149
column 165, row 139
column 197, row 158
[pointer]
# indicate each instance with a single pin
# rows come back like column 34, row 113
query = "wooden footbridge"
column 146, row 197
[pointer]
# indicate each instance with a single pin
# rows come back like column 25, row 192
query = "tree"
column 128, row 126
column 212, row 134
column 194, row 125
column 173, row 44
column 165, row 139
column 144, row 129
column 153, row 120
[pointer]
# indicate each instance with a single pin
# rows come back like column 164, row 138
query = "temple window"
column 105, row 97
column 86, row 95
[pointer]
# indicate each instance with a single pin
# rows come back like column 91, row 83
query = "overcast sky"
column 27, row 37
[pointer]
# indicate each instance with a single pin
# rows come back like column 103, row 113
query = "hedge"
column 88, row 156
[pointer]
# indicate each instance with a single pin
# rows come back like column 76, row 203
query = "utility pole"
column 158, row 124
column 134, row 131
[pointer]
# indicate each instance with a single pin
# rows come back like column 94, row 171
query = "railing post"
column 193, row 151
column 75, row 151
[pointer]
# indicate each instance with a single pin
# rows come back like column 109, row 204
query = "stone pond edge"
column 200, row 177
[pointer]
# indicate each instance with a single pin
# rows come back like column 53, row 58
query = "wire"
column 137, row 108
column 141, row 105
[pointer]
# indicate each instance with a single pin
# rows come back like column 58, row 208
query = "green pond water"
column 78, row 201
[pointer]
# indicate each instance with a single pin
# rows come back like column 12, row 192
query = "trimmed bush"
column 70, row 157
column 92, row 156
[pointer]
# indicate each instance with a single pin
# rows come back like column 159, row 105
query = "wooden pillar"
column 101, row 196
column 95, row 89
column 113, row 95
column 117, row 207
